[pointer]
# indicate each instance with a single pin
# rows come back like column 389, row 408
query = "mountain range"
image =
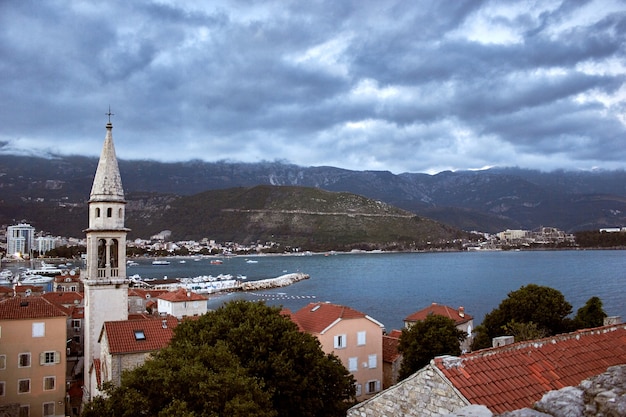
column 488, row 200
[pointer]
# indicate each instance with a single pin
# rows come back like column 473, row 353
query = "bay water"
column 390, row 286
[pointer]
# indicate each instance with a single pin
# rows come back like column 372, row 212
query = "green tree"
column 543, row 306
column 590, row 315
column 435, row 336
column 244, row 359
column 524, row 331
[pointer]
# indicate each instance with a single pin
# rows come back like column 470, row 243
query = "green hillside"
column 308, row 218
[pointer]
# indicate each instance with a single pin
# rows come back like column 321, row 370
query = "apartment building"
column 32, row 357
column 354, row 337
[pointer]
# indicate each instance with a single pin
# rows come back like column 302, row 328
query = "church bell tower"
column 104, row 277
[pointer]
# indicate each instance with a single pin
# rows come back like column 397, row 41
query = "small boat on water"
column 6, row 277
column 160, row 262
column 46, row 270
column 251, row 261
column 35, row 279
column 216, row 262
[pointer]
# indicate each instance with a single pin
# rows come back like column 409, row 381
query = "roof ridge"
column 538, row 343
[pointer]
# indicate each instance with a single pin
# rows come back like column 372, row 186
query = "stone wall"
column 426, row 393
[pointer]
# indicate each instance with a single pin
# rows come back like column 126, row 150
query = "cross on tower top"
column 109, row 114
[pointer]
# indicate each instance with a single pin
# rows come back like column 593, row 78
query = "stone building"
column 127, row 344
column 104, row 277
column 503, row 379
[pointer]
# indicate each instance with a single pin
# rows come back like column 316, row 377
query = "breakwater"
column 213, row 286
column 266, row 284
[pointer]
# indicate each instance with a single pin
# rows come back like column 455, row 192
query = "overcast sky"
column 404, row 86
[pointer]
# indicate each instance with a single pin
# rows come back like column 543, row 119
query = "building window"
column 48, row 409
column 2, row 386
column 3, row 361
column 49, row 383
column 23, row 360
column 372, row 361
column 23, row 386
column 39, row 329
column 360, row 338
column 353, row 364
column 140, row 335
column 24, row 411
column 97, row 212
column 358, row 390
column 109, row 212
column 340, row 341
column 76, row 324
column 49, row 358
column 372, row 386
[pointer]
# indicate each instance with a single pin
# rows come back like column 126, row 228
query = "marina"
column 390, row 286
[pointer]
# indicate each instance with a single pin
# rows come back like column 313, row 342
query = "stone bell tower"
column 104, row 277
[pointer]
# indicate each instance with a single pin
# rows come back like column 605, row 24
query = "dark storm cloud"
column 396, row 86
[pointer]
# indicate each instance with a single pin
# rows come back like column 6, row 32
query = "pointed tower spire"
column 107, row 184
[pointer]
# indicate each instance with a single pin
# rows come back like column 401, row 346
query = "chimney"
column 502, row 341
column 462, row 311
column 164, row 323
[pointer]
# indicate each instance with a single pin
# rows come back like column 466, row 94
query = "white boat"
column 6, row 277
column 250, row 261
column 35, row 279
column 160, row 262
column 131, row 263
column 46, row 270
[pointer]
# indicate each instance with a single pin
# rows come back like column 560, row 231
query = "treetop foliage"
column 436, row 335
column 244, row 359
column 535, row 311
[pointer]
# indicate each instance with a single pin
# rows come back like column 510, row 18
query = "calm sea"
column 390, row 286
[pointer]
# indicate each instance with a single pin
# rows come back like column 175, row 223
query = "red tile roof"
column 145, row 294
column 459, row 316
column 66, row 298
column 122, row 339
column 29, row 308
column 390, row 348
column 316, row 317
column 515, row 376
column 181, row 295
column 395, row 333
column 22, row 290
column 97, row 366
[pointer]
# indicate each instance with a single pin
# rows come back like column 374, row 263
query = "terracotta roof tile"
column 128, row 336
column 64, row 297
column 390, row 348
column 97, row 366
column 459, row 316
column 515, row 376
column 145, row 294
column 316, row 317
column 181, row 295
column 29, row 308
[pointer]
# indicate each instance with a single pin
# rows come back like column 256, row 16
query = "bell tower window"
column 109, row 212
column 102, row 257
column 97, row 211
